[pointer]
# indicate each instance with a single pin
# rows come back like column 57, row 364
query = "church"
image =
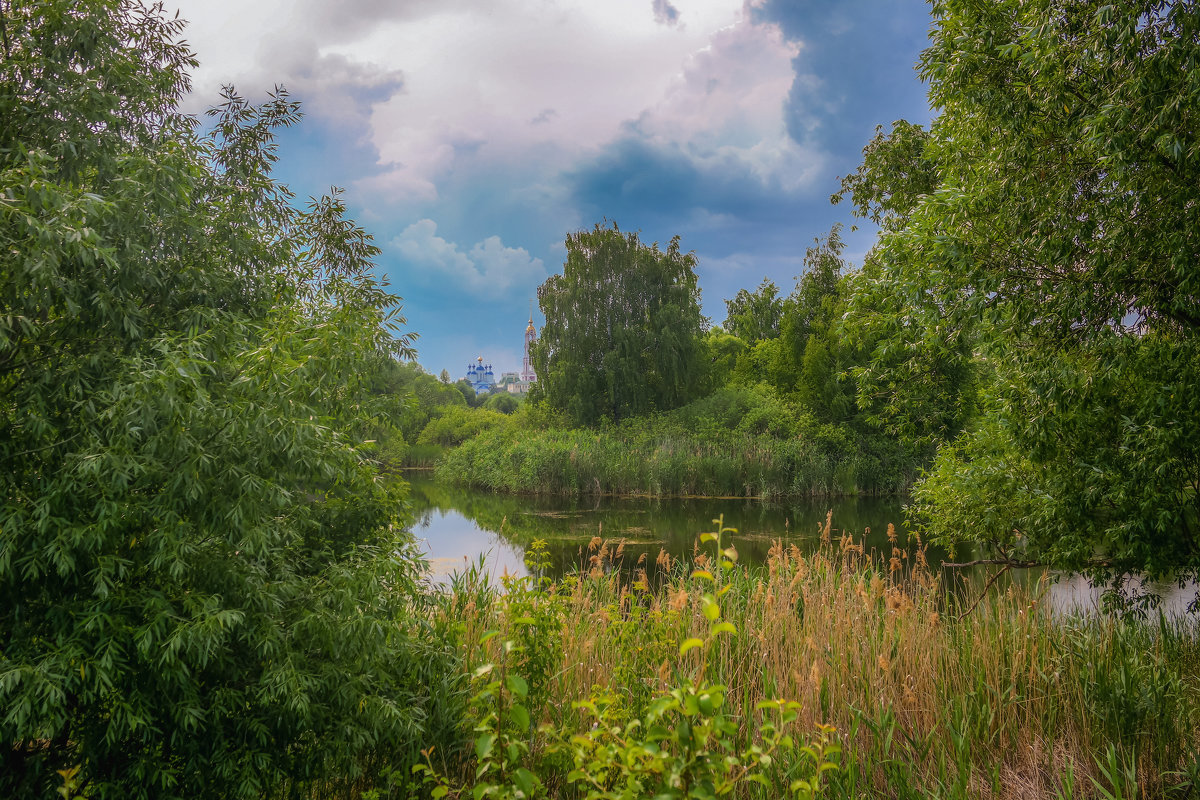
column 483, row 379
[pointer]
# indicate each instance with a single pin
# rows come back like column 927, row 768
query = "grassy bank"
column 930, row 695
column 736, row 442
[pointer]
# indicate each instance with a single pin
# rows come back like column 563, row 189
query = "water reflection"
column 460, row 526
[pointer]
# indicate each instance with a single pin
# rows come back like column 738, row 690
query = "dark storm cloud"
column 865, row 53
column 636, row 180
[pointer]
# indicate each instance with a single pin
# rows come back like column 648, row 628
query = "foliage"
column 467, row 391
column 737, row 441
column 687, row 744
column 752, row 316
column 895, row 176
column 204, row 590
column 817, row 291
column 1064, row 218
column 503, row 402
column 722, row 352
column 933, row 690
column 622, row 328
column 421, row 397
column 453, row 425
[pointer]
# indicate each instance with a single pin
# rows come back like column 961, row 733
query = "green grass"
column 735, row 443
column 1006, row 701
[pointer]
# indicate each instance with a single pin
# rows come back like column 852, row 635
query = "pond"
column 458, row 527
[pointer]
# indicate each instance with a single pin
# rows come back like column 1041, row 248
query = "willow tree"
column 623, row 327
column 202, row 581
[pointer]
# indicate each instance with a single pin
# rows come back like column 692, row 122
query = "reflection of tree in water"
column 647, row 526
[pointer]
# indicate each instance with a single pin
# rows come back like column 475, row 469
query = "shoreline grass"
column 655, row 462
column 1006, row 701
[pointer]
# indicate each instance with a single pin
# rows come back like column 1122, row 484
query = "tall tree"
column 201, row 579
column 622, row 328
column 1067, row 221
column 752, row 316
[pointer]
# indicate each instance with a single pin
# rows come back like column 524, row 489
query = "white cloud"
column 728, row 105
column 488, row 267
column 447, row 90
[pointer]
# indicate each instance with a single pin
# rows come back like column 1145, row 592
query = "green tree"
column 721, row 352
column 623, row 328
column 752, row 316
column 1066, row 221
column 203, row 586
column 817, row 294
column 467, row 391
column 503, row 402
column 897, row 172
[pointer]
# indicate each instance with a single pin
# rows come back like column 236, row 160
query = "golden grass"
column 1000, row 703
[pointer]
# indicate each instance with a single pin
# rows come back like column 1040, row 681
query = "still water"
column 458, row 527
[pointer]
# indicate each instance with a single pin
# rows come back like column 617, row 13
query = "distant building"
column 528, row 376
column 483, row 380
column 481, row 377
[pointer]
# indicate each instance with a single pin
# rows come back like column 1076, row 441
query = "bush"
column 205, row 592
column 453, row 425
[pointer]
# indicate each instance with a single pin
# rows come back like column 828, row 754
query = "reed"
column 659, row 459
column 1006, row 701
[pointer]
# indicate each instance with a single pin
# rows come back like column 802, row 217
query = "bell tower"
column 527, row 373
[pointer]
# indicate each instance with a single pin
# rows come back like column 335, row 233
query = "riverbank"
column 735, row 443
column 929, row 693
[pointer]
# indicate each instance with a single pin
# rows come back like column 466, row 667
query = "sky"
column 470, row 136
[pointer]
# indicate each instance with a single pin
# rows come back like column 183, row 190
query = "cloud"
column 729, row 105
column 714, row 153
column 487, row 268
column 865, row 53
column 665, row 13
column 334, row 88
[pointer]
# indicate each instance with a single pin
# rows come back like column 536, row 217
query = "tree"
column 467, row 391
column 752, row 316
column 817, row 291
column 721, row 351
column 1065, row 226
column 203, row 585
column 622, row 328
column 503, row 402
column 896, row 174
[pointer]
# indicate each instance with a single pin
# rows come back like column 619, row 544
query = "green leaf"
column 517, row 685
column 723, row 627
column 520, row 716
column 689, row 644
column 484, row 745
column 525, row 781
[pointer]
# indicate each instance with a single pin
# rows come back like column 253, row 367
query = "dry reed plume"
column 1008, row 698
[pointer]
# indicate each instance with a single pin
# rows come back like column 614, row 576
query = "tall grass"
column 931, row 695
column 737, row 442
column 662, row 460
